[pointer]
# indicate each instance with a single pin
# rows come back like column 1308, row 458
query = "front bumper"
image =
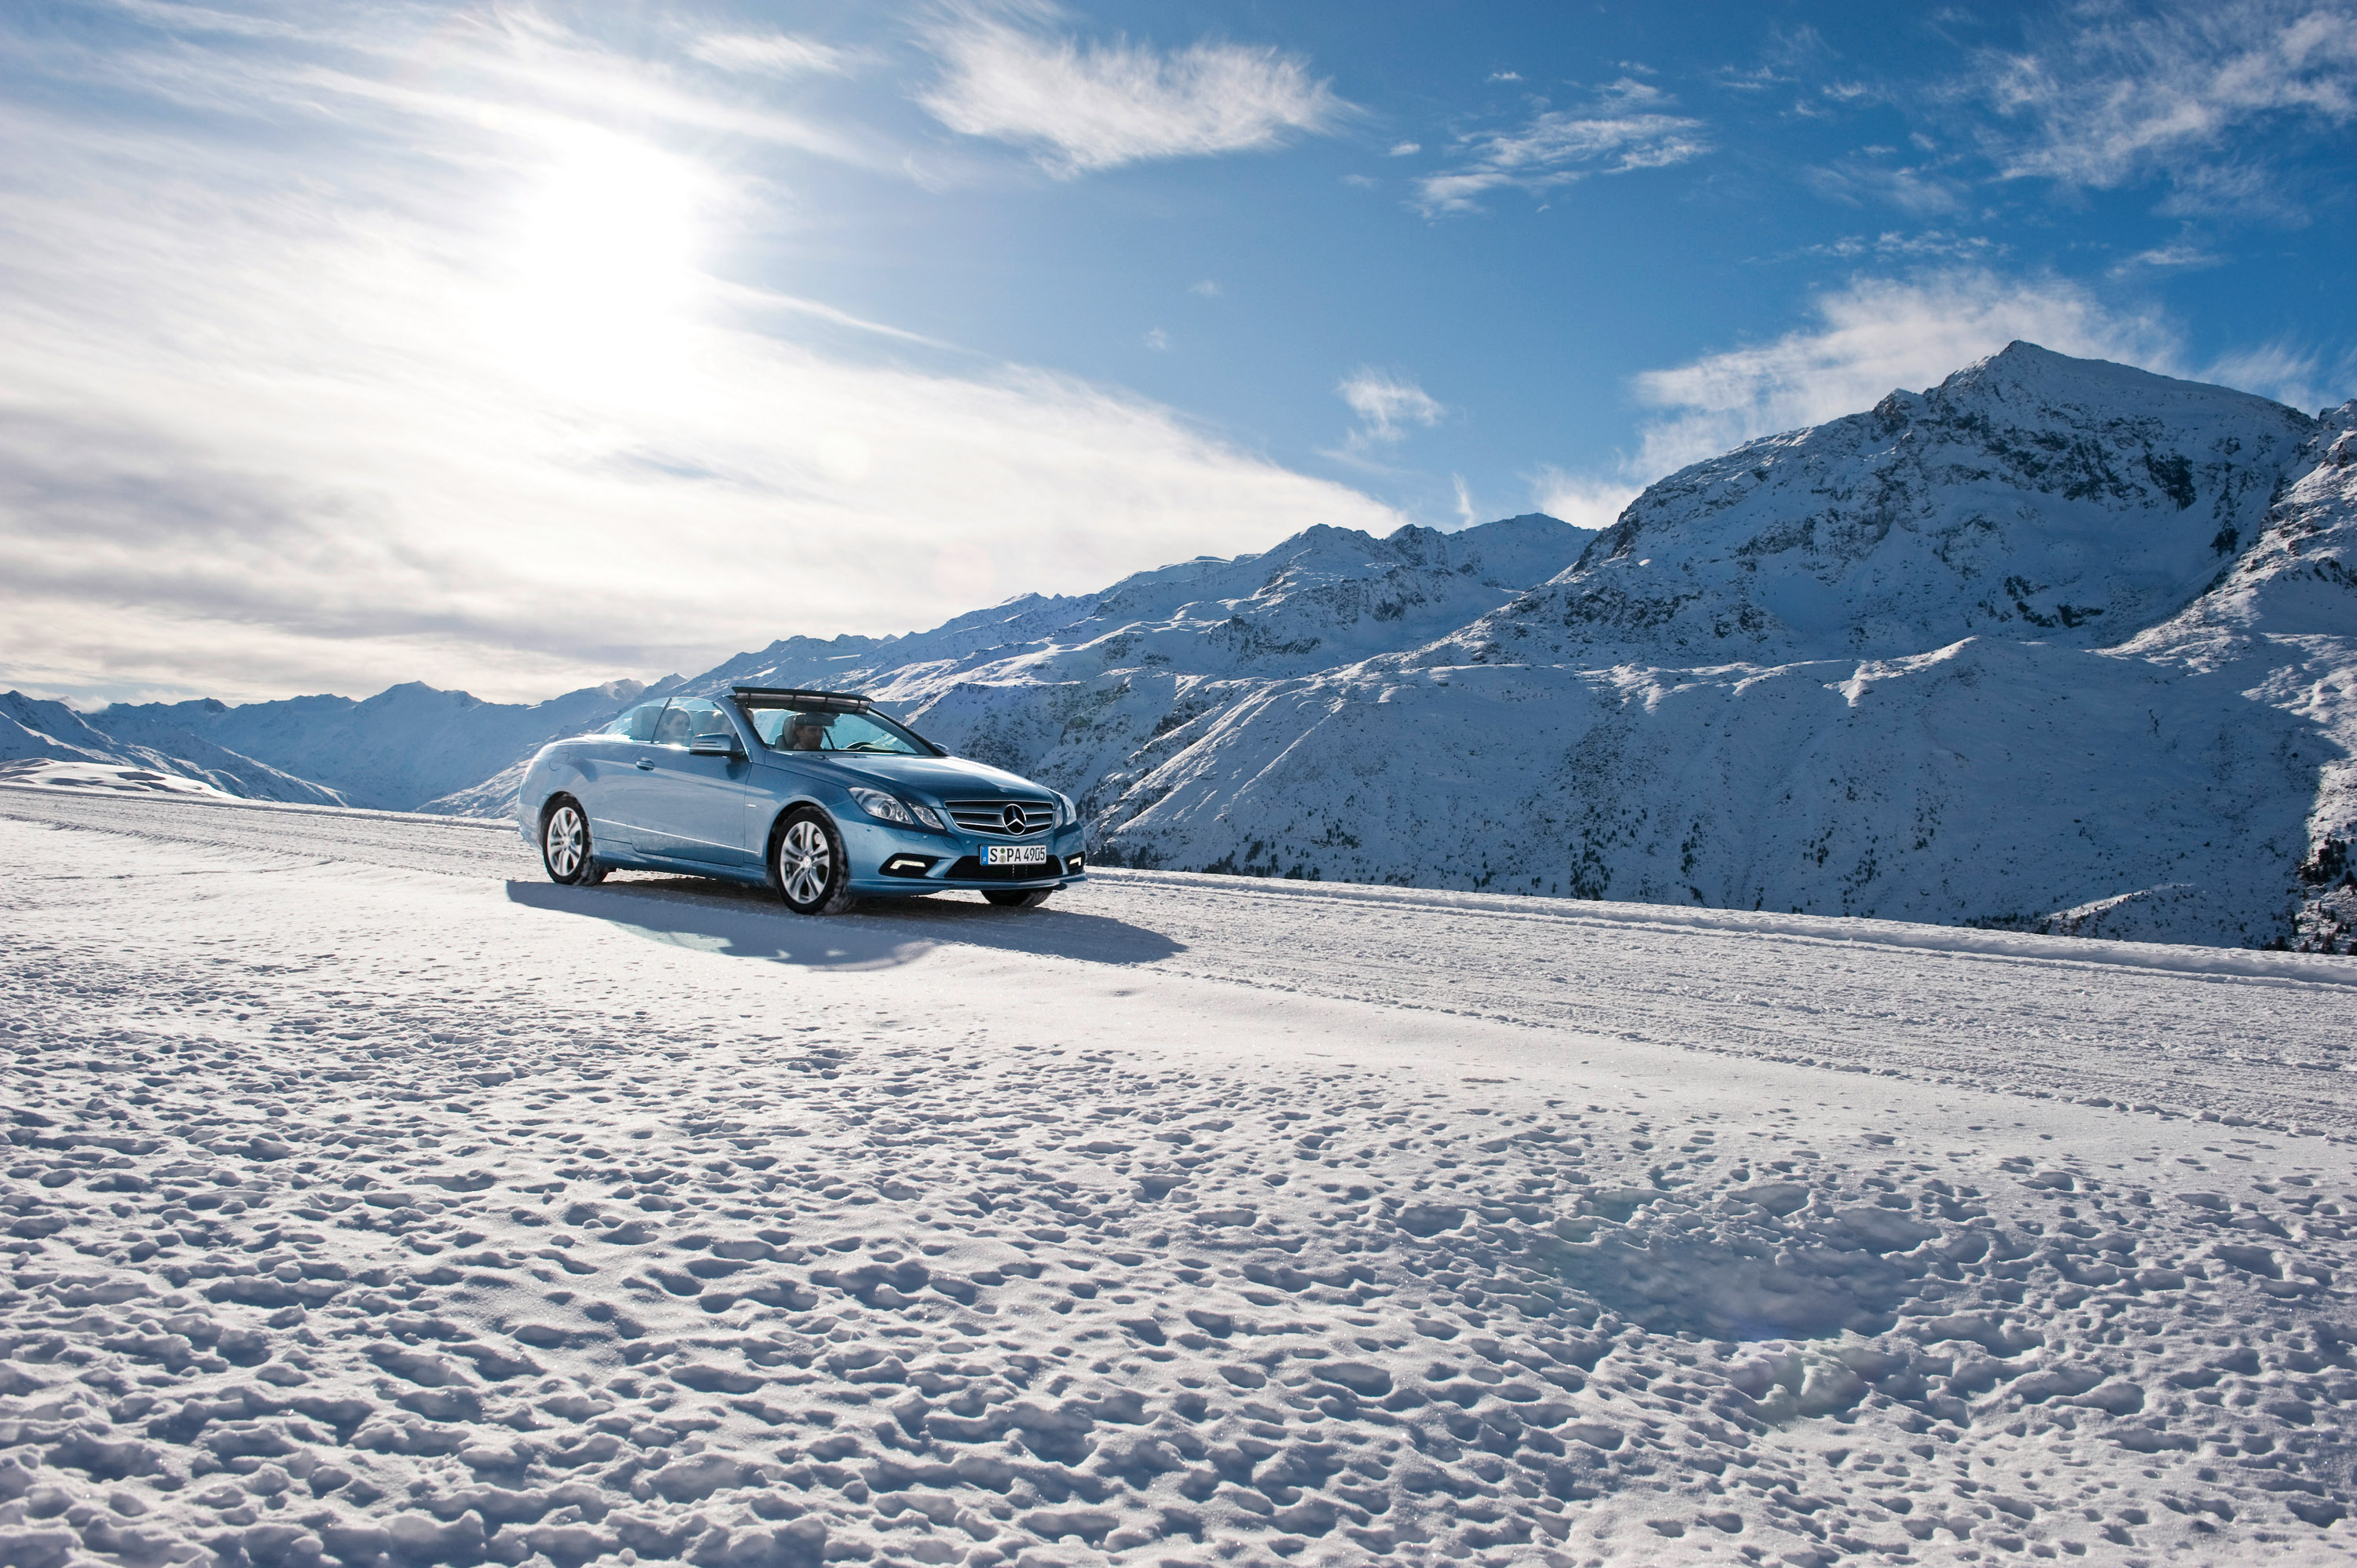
column 935, row 862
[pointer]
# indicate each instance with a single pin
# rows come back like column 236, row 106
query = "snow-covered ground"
column 376, row 1202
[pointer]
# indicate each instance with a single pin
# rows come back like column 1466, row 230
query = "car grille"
column 990, row 816
column 971, row 869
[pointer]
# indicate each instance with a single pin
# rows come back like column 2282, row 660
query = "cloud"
column 1623, row 130
column 770, row 54
column 1206, row 289
column 1893, row 245
column 1156, row 339
column 440, row 385
column 1857, row 181
column 1387, row 403
column 2202, row 95
column 2287, row 373
column 2182, row 256
column 1872, row 336
column 1788, row 55
column 1584, row 500
column 1406, row 149
column 1082, row 107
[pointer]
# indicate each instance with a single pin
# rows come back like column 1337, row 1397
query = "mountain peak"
column 2024, row 374
column 2030, row 494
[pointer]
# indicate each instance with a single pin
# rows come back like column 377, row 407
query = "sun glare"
column 601, row 261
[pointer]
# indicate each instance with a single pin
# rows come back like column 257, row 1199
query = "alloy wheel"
column 805, row 862
column 565, row 843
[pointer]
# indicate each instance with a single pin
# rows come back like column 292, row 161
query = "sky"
column 515, row 348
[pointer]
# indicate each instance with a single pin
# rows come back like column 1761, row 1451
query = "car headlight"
column 1066, row 812
column 886, row 807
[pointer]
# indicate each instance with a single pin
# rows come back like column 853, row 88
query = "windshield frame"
column 746, row 710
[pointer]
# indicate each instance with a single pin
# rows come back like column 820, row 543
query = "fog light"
column 1075, row 863
column 908, row 866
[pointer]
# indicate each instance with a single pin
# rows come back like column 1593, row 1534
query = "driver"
column 808, row 733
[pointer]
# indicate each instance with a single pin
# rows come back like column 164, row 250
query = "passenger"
column 808, row 733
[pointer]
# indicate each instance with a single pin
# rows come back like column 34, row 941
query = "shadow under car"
column 741, row 921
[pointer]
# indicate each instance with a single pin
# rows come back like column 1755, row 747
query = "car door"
column 694, row 804
column 611, row 768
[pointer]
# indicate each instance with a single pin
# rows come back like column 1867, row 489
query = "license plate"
column 1014, row 854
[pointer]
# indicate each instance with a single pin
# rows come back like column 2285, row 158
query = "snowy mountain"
column 33, row 731
column 2028, row 497
column 396, row 751
column 2056, row 644
column 1074, row 688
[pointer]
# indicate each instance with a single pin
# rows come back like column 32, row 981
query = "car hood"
column 943, row 778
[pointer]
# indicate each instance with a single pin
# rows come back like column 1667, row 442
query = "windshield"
column 637, row 724
column 810, row 729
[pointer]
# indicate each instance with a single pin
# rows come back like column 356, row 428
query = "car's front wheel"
column 1015, row 898
column 565, row 847
column 808, row 864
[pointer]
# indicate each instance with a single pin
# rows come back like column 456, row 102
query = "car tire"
column 808, row 865
column 565, row 847
column 1018, row 898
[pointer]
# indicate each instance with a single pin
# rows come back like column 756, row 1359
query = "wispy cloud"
column 770, row 54
column 1387, row 404
column 1584, row 500
column 1625, row 128
column 2115, row 95
column 1788, row 55
column 1861, row 180
column 1892, row 245
column 2288, row 372
column 2182, row 256
column 438, row 383
column 1007, row 74
column 1871, row 336
column 1464, row 492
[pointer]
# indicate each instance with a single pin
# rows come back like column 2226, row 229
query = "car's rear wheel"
column 1018, row 898
column 564, row 846
column 808, row 864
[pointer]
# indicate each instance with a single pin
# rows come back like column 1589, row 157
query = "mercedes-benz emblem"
column 1014, row 818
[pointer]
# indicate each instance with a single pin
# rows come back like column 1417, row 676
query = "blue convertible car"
column 815, row 793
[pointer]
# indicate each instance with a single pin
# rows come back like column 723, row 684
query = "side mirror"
column 716, row 745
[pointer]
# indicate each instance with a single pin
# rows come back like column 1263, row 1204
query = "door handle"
column 649, row 767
